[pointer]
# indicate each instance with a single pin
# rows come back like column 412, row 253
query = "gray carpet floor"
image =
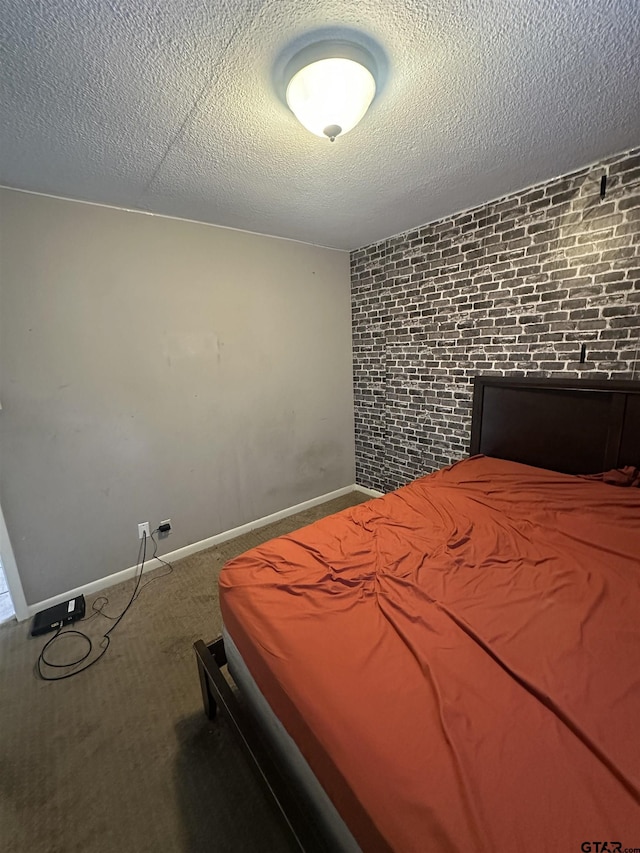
column 121, row 757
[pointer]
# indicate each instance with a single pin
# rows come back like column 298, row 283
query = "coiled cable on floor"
column 106, row 639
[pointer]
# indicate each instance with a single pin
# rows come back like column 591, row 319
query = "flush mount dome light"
column 330, row 86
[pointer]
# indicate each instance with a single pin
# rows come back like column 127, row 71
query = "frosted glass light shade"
column 330, row 96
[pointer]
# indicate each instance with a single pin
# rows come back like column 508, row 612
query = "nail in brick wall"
column 514, row 287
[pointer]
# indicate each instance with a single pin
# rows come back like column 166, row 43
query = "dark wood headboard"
column 569, row 425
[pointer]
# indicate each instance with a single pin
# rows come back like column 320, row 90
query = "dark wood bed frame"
column 567, row 425
column 563, row 425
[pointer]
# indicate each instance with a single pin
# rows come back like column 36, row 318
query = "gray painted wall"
column 155, row 368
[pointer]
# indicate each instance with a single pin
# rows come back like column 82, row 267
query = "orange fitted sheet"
column 459, row 661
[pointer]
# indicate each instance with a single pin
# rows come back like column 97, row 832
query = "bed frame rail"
column 295, row 815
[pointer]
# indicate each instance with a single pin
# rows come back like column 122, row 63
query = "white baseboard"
column 180, row 553
column 373, row 493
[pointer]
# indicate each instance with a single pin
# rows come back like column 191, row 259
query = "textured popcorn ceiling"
column 169, row 106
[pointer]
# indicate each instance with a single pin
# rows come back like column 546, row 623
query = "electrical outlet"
column 143, row 528
column 164, row 528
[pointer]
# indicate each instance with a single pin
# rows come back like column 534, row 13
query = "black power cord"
column 154, row 556
column 99, row 611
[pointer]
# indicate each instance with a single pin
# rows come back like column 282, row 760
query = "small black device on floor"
column 60, row 614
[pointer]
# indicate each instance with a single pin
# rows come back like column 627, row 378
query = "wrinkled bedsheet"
column 459, row 660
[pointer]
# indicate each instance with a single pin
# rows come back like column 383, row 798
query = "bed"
column 456, row 665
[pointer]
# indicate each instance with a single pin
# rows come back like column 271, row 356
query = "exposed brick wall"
column 512, row 287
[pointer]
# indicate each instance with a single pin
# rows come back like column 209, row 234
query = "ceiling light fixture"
column 329, row 86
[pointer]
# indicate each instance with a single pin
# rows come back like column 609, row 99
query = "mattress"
column 334, row 830
column 459, row 661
